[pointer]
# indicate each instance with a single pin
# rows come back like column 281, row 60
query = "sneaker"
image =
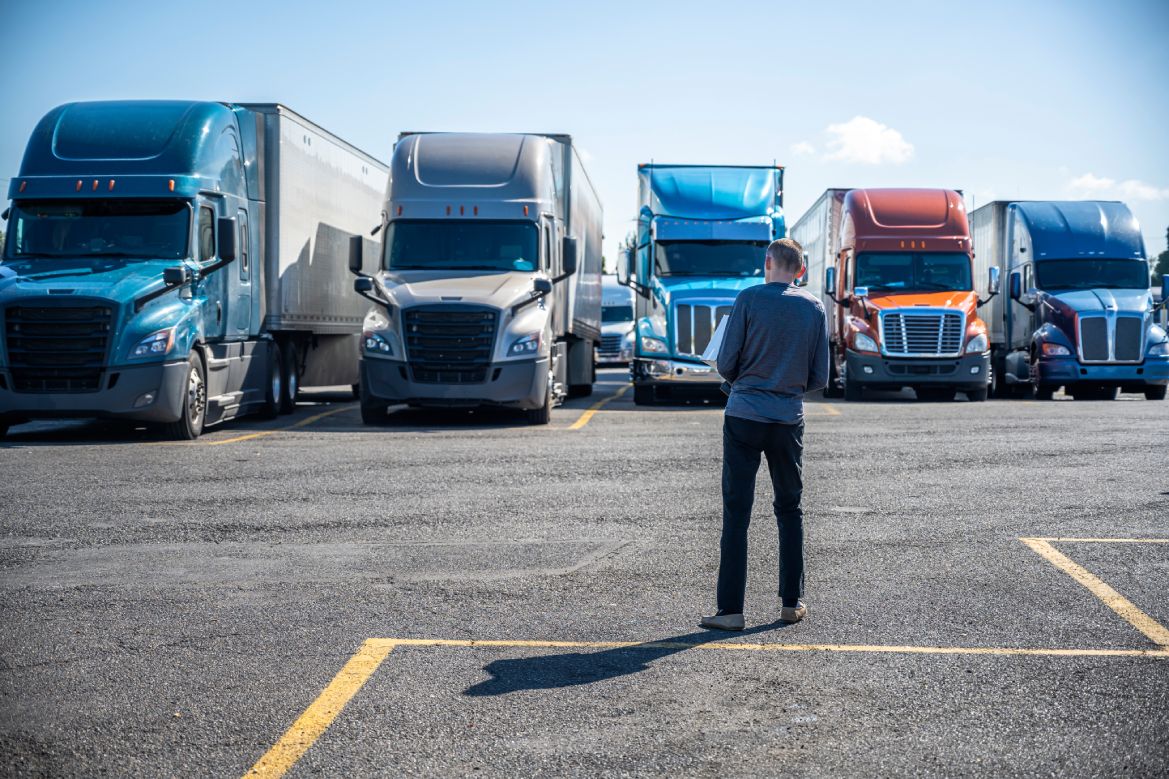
column 723, row 622
column 792, row 614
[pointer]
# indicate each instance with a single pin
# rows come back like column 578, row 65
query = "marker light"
column 475, row 211
column 95, row 183
column 171, row 185
column 399, row 210
column 448, row 210
column 525, row 210
column 78, row 185
column 111, row 185
column 23, row 184
column 461, row 212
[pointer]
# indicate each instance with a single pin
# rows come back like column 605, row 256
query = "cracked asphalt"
column 171, row 610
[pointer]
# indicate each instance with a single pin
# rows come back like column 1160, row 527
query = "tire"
column 373, row 410
column 832, row 390
column 189, row 425
column 978, row 396
column 998, row 377
column 291, row 370
column 274, row 388
column 580, row 390
column 643, row 395
column 1152, row 392
column 853, row 391
column 356, row 390
column 3, row 429
column 543, row 414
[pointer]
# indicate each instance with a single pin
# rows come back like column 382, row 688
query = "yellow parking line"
column 258, row 433
column 593, row 409
column 320, row 714
column 1107, row 540
column 1154, row 630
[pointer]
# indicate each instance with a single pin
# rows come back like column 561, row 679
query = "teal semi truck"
column 702, row 231
column 179, row 263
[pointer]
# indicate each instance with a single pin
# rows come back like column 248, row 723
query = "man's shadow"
column 549, row 672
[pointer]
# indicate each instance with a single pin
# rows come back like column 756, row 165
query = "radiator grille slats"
column 57, row 348
column 449, row 344
column 922, row 333
column 1117, row 340
column 695, row 324
column 1130, row 332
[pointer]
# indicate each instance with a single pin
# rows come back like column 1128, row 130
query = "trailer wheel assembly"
column 274, row 390
column 289, row 362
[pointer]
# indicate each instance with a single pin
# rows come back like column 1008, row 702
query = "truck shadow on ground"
column 571, row 669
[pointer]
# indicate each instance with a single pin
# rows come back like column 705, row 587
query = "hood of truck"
column 960, row 300
column 498, row 289
column 1098, row 301
column 110, row 278
column 672, row 289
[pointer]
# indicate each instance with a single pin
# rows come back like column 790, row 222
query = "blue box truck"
column 179, row 263
column 1079, row 313
column 702, row 231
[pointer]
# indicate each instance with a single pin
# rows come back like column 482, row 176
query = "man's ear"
column 767, row 262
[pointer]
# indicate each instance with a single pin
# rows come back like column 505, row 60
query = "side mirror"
column 363, row 284
column 830, row 282
column 568, row 258
column 860, row 292
column 1016, row 286
column 542, row 286
column 992, row 283
column 356, row 248
column 228, row 239
column 625, row 267
column 175, row 277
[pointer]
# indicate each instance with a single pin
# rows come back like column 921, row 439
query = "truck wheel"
column 189, row 425
column 998, row 376
column 291, row 366
column 3, row 428
column 832, row 390
column 580, row 390
column 356, row 390
column 543, row 414
column 373, row 410
column 978, row 396
column 275, row 384
column 1152, row 392
column 643, row 395
column 853, row 391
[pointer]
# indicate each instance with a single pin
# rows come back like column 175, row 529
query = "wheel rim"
column 196, row 396
column 292, row 378
column 277, row 384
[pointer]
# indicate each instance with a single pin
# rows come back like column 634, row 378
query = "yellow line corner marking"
column 593, row 409
column 259, row 433
column 1152, row 629
column 320, row 714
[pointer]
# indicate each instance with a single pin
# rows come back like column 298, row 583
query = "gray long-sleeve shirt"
column 774, row 350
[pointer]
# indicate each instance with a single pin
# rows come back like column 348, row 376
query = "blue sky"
column 1000, row 99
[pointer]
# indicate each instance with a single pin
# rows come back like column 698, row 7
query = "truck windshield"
column 461, row 245
column 135, row 229
column 610, row 314
column 904, row 271
column 1092, row 274
column 709, row 258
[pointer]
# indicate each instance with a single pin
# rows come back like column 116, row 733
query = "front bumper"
column 1069, row 370
column 968, row 372
column 519, row 384
column 121, row 388
column 674, row 373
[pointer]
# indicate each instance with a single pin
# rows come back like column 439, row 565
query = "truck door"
column 212, row 287
column 241, row 303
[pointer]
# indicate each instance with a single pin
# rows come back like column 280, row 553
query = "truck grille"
column 694, row 325
column 57, row 348
column 922, row 333
column 450, row 344
column 611, row 344
column 1127, row 339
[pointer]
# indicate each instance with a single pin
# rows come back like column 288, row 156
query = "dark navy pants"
column 744, row 440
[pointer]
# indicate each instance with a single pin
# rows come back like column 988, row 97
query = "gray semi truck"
column 486, row 290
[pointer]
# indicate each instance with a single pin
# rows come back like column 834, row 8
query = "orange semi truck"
column 895, row 267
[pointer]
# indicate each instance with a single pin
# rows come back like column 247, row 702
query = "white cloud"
column 803, row 149
column 1090, row 185
column 867, row 141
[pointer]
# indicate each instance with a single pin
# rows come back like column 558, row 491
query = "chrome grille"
column 694, row 324
column 611, row 344
column 449, row 344
column 57, row 348
column 1107, row 339
column 910, row 333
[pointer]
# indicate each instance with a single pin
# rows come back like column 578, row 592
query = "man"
column 774, row 350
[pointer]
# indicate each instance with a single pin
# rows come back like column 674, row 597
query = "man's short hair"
column 786, row 254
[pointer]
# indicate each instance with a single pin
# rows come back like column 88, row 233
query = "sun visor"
column 711, row 230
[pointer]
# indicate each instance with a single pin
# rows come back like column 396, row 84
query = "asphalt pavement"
column 461, row 594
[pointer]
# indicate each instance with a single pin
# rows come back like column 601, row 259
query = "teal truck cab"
column 702, row 232
column 155, row 269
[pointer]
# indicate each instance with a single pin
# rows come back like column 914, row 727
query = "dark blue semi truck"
column 1079, row 313
column 179, row 263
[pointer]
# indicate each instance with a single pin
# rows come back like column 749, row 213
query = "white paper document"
column 710, row 356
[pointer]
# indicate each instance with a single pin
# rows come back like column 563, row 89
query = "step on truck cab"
column 702, row 234
column 487, row 287
column 896, row 267
column 1079, row 313
column 179, row 263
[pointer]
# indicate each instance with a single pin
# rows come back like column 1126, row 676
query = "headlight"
column 654, row 345
column 376, row 343
column 863, row 343
column 977, row 344
column 528, row 344
column 1159, row 350
column 155, row 344
column 1054, row 350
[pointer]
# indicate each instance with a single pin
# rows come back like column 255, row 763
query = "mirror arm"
column 149, row 296
column 525, row 303
column 982, row 302
column 379, row 302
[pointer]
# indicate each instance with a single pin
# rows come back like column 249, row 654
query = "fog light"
column 145, row 399
column 976, row 369
column 868, row 369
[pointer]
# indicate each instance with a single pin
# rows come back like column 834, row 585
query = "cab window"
column 206, row 233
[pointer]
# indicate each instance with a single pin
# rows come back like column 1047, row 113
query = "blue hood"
column 1096, row 301
column 668, row 290
column 113, row 279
